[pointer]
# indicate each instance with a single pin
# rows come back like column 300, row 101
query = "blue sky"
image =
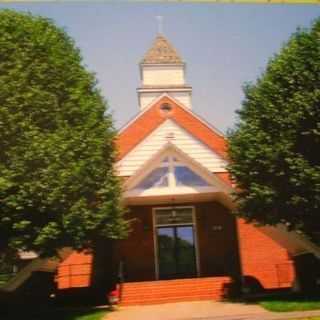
column 224, row 46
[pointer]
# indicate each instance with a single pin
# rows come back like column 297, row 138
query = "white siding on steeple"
column 163, row 75
column 183, row 97
column 170, row 131
column 145, row 98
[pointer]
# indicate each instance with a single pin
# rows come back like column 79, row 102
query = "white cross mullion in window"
column 172, row 180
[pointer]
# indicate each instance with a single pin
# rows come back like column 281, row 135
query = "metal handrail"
column 70, row 271
column 121, row 272
column 120, row 278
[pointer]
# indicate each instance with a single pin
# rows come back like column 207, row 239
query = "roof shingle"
column 160, row 52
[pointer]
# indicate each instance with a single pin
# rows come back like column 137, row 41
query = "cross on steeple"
column 160, row 24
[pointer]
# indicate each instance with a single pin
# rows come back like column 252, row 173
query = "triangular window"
column 156, row 178
column 186, row 177
column 172, row 173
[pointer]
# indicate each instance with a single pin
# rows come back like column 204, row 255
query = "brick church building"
column 184, row 243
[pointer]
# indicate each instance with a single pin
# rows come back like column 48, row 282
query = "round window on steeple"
column 166, row 107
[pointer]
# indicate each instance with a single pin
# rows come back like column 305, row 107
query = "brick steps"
column 166, row 291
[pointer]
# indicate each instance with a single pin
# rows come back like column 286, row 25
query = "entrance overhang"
column 178, row 197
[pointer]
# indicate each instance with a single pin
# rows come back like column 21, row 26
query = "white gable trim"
column 170, row 131
column 216, row 185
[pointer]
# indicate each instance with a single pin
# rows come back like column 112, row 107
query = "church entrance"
column 176, row 247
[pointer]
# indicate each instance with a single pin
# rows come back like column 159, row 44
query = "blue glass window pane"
column 186, row 177
column 157, row 178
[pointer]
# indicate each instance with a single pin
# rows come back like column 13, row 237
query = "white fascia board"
column 148, row 90
column 170, row 191
column 162, row 64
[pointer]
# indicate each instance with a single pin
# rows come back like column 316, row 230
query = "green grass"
column 60, row 314
column 312, row 318
column 80, row 315
column 294, row 304
column 4, row 278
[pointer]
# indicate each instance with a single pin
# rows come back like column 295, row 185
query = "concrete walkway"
column 203, row 310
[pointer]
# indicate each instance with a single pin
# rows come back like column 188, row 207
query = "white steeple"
column 163, row 71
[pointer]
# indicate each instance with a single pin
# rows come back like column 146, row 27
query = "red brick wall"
column 263, row 258
column 137, row 252
column 218, row 251
column 218, row 248
column 260, row 256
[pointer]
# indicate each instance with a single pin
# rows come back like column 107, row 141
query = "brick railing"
column 74, row 275
column 285, row 274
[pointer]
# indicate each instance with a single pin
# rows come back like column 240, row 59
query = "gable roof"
column 161, row 52
column 153, row 116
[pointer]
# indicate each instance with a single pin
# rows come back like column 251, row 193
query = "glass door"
column 176, row 252
column 166, row 252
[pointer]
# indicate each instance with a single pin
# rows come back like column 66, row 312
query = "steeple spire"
column 161, row 52
column 163, row 72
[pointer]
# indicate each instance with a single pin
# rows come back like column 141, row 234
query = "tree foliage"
column 274, row 149
column 57, row 186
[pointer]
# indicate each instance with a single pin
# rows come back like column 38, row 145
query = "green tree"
column 57, row 185
column 274, row 148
